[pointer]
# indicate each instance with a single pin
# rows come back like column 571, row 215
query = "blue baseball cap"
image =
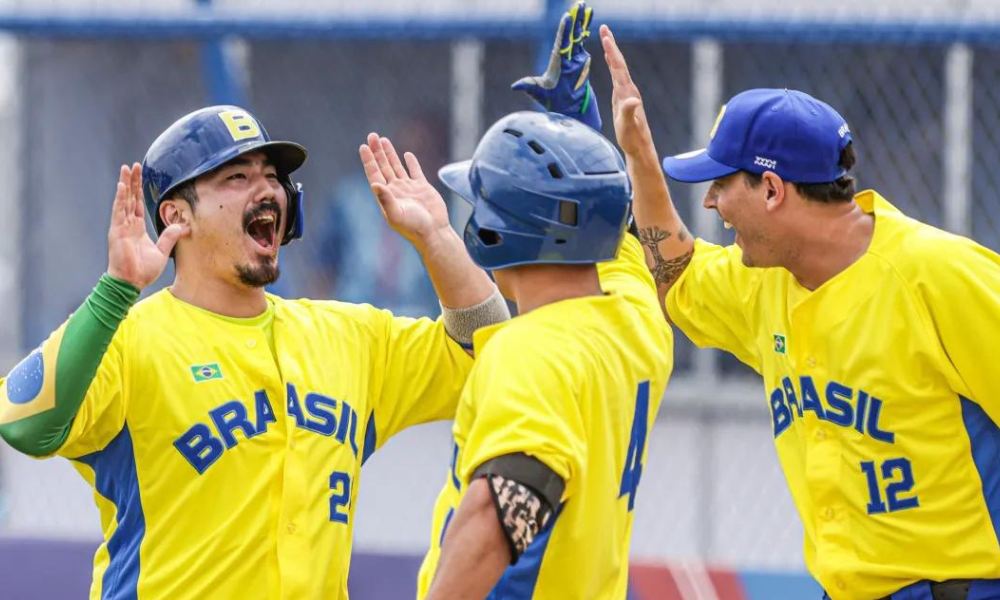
column 788, row 132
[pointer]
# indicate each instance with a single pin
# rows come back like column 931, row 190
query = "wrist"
column 443, row 239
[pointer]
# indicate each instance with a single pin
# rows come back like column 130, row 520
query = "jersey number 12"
column 636, row 446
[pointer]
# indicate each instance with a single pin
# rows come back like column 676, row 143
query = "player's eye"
column 236, row 176
column 271, row 176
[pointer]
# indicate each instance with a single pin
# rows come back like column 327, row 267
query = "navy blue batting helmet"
column 545, row 189
column 208, row 138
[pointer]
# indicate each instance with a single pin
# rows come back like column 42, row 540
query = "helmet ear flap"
column 295, row 223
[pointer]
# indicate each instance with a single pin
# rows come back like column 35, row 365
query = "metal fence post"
column 224, row 68
column 958, row 139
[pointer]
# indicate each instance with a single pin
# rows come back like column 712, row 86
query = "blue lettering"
column 859, row 421
column 838, row 397
column 199, row 447
column 317, row 404
column 781, row 417
column 354, row 432
column 265, row 413
column 790, row 394
column 878, row 434
column 345, row 417
column 229, row 417
column 294, row 409
column 810, row 397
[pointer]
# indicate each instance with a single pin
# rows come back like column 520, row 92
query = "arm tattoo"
column 665, row 271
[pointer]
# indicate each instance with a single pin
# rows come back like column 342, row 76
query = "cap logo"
column 240, row 124
column 767, row 163
column 844, row 130
column 718, row 120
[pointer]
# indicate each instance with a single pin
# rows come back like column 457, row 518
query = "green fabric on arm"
column 88, row 333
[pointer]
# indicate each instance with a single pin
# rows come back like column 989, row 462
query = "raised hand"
column 409, row 203
column 631, row 127
column 132, row 255
column 565, row 86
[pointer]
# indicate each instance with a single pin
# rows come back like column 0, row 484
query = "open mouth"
column 263, row 229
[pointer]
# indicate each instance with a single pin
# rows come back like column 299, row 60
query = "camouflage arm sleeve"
column 525, row 493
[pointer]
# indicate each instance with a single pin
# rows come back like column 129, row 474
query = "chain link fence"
column 922, row 101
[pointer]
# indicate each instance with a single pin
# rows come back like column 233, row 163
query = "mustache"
column 268, row 206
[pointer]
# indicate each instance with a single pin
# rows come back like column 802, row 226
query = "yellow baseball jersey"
column 225, row 469
column 884, row 398
column 576, row 384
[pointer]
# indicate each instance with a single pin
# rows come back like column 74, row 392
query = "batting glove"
column 565, row 86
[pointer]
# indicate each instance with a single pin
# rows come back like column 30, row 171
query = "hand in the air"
column 132, row 255
column 409, row 203
column 565, row 86
column 631, row 127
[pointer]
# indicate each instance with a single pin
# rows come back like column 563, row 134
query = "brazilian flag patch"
column 206, row 372
column 779, row 344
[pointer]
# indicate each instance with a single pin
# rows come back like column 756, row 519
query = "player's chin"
column 264, row 271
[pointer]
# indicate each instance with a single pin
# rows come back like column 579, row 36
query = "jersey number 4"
column 636, row 446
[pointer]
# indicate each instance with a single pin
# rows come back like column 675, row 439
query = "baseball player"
column 550, row 433
column 222, row 428
column 873, row 333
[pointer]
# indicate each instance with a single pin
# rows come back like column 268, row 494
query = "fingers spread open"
column 120, row 207
column 394, row 162
column 137, row 207
column 579, row 32
column 413, row 165
column 381, row 159
column 372, row 170
column 563, row 44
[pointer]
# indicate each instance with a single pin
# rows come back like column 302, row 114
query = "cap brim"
column 286, row 156
column 695, row 167
column 456, row 177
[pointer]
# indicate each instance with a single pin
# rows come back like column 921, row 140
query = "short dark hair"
column 841, row 190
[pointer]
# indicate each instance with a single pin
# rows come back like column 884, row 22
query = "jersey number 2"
column 636, row 446
column 340, row 484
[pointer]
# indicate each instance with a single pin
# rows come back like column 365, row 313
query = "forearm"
column 37, row 408
column 667, row 244
column 475, row 552
column 459, row 283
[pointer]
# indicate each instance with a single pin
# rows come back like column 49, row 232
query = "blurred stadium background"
column 87, row 84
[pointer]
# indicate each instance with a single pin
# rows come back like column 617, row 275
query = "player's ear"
column 774, row 190
column 175, row 211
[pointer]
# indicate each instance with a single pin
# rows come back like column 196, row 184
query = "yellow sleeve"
column 525, row 400
column 422, row 376
column 713, row 298
column 961, row 288
column 628, row 275
column 101, row 416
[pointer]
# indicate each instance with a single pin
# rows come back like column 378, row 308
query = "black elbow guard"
column 525, row 493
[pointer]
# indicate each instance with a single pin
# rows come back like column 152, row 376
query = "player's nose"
column 709, row 201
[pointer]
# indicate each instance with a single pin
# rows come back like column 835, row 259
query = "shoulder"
column 321, row 313
column 532, row 348
column 921, row 253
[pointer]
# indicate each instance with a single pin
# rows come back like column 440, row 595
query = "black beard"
column 259, row 275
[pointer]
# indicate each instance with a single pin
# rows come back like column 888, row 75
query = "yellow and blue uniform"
column 225, row 454
column 575, row 384
column 883, row 394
